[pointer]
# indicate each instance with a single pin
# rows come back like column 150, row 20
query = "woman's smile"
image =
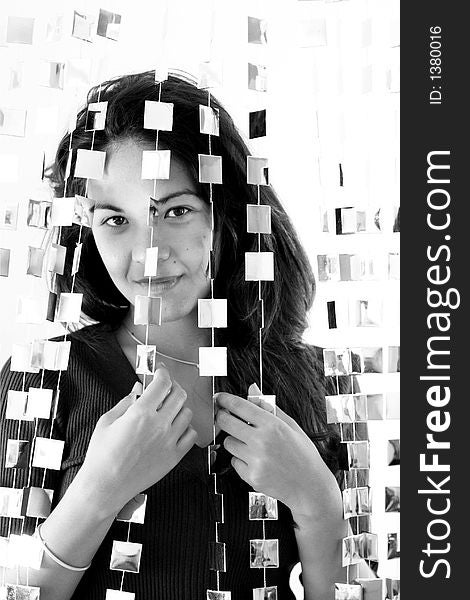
column 160, row 284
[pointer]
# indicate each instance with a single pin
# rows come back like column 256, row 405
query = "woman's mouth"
column 160, row 284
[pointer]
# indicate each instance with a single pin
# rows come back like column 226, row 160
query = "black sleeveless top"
column 181, row 508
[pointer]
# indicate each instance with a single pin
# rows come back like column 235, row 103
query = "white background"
column 332, row 98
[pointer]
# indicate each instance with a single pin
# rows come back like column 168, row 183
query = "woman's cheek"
column 111, row 256
column 203, row 253
column 195, row 248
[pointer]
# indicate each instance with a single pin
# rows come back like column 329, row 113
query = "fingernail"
column 254, row 390
column 161, row 364
column 137, row 388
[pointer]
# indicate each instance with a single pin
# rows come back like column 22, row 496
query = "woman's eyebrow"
column 104, row 206
column 164, row 199
column 159, row 201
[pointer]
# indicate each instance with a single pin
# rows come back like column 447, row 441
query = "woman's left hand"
column 276, row 457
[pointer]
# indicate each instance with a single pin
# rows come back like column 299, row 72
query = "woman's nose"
column 139, row 252
column 163, row 251
column 141, row 240
column 163, row 239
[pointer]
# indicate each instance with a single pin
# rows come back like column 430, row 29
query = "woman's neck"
column 180, row 338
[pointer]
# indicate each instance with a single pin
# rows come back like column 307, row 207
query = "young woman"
column 122, row 440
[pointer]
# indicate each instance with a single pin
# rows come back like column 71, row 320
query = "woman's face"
column 178, row 220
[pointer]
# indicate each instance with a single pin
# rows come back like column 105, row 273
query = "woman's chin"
column 177, row 313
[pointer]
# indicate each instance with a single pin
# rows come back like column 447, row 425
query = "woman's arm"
column 320, row 551
column 274, row 455
column 120, row 463
column 73, row 532
column 322, row 560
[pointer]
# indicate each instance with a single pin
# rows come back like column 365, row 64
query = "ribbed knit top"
column 181, row 508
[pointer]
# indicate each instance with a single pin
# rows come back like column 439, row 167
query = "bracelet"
column 49, row 553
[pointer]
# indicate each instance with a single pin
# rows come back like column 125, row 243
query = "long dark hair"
column 291, row 369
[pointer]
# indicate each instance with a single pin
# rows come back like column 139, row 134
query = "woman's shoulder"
column 89, row 344
column 310, row 357
column 313, row 350
column 80, row 341
column 307, row 350
column 86, row 334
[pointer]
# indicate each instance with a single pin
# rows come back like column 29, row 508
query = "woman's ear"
column 207, row 269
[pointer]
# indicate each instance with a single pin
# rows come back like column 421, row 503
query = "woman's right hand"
column 134, row 445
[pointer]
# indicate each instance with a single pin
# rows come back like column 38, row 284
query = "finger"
column 234, row 426
column 256, row 397
column 262, row 403
column 137, row 389
column 289, row 420
column 241, row 468
column 157, row 390
column 181, row 422
column 254, row 390
column 241, row 408
column 187, row 440
column 173, row 403
column 122, row 406
column 237, row 448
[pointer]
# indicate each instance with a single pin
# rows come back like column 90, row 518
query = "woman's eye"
column 178, row 211
column 115, row 221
